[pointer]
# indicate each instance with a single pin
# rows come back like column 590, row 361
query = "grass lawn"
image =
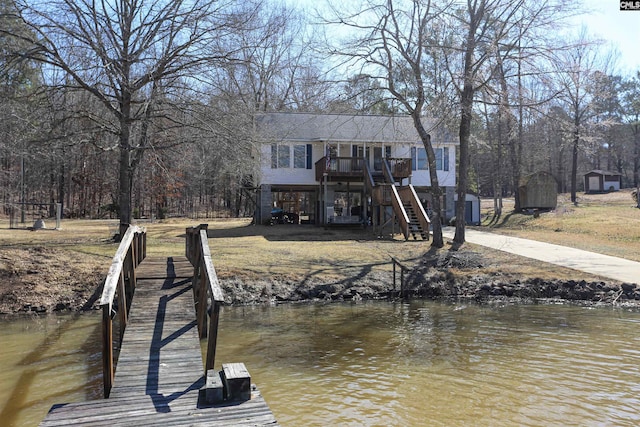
column 40, row 265
column 603, row 223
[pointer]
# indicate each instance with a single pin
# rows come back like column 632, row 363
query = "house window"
column 299, row 156
column 280, row 156
column 302, row 156
column 419, row 158
column 442, row 159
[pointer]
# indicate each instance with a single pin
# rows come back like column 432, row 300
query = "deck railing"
column 205, row 288
column 399, row 167
column 343, row 167
column 353, row 167
column 117, row 293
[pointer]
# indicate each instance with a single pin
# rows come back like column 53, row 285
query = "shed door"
column 468, row 212
column 594, row 183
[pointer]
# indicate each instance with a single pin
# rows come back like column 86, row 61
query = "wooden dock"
column 160, row 376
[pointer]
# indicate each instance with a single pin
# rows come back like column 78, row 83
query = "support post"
column 202, row 304
column 394, row 274
column 325, row 204
column 213, row 336
column 107, row 349
column 122, row 304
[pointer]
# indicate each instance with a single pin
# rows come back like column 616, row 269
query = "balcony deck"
column 353, row 169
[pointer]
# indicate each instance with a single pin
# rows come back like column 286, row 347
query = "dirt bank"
column 41, row 280
column 450, row 275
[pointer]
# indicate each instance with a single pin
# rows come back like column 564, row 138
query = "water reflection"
column 47, row 360
column 439, row 364
column 374, row 364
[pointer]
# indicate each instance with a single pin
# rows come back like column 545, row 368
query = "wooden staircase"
column 405, row 208
column 415, row 228
column 378, row 179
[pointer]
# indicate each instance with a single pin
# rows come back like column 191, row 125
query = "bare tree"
column 576, row 66
column 631, row 113
column 127, row 54
column 491, row 31
column 392, row 47
column 427, row 47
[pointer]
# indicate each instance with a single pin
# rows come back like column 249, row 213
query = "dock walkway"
column 159, row 376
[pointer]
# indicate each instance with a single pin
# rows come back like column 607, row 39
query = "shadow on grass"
column 500, row 220
column 367, row 280
column 294, row 232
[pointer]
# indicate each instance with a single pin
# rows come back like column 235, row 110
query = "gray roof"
column 603, row 172
column 308, row 127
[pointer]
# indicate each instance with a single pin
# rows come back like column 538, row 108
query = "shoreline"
column 532, row 291
column 41, row 280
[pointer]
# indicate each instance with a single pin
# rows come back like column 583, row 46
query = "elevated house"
column 331, row 169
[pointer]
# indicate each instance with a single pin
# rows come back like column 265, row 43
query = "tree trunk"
column 125, row 178
column 574, row 168
column 436, row 191
column 463, row 162
column 636, row 155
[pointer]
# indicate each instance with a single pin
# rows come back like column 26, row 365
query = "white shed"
column 599, row 181
column 471, row 209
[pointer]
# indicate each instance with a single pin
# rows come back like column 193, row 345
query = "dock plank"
column 160, row 371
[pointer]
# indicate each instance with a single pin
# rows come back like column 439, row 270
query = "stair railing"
column 386, row 170
column 409, row 194
column 403, row 217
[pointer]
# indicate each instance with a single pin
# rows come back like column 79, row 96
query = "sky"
column 604, row 20
column 620, row 29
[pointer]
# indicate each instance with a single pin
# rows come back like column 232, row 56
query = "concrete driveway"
column 590, row 262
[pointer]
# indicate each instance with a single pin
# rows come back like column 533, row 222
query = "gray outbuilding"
column 538, row 191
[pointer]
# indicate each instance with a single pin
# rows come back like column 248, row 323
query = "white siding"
column 420, row 178
column 290, row 175
column 299, row 176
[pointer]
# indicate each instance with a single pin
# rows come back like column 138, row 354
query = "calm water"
column 375, row 364
column 47, row 360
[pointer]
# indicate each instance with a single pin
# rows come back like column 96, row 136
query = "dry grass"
column 304, row 251
column 604, row 223
column 74, row 235
column 608, row 223
column 237, row 246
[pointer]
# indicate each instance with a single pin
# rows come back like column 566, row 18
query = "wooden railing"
column 403, row 268
column 382, row 194
column 409, row 194
column 205, row 288
column 399, row 167
column 388, row 175
column 117, row 293
column 342, row 167
column 369, row 183
column 403, row 217
column 345, row 167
